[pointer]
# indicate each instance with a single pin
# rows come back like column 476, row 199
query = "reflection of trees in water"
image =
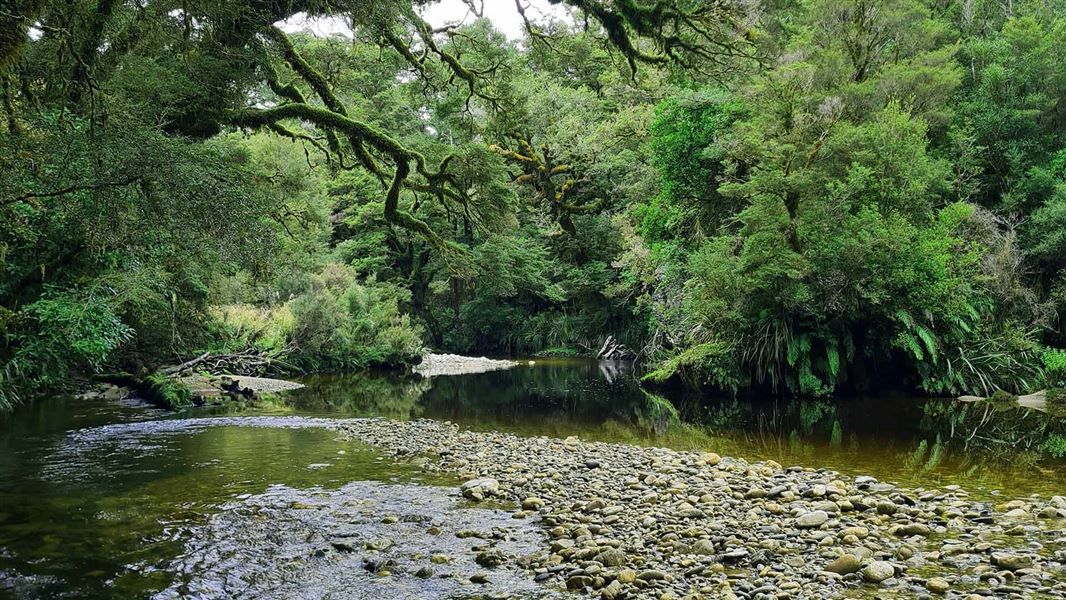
column 986, row 428
column 578, row 390
column 615, row 371
column 918, row 435
column 364, row 395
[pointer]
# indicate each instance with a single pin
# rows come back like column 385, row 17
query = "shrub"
column 64, row 330
column 1055, row 368
column 338, row 322
column 243, row 326
column 1055, row 445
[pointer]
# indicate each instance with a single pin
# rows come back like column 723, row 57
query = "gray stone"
column 815, row 518
column 878, row 571
column 651, row 575
column 611, row 557
column 1011, row 562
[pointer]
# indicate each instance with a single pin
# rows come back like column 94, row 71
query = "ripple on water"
column 363, row 540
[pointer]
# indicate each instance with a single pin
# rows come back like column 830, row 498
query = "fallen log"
column 247, row 362
column 185, row 366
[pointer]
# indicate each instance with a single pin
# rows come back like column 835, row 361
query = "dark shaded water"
column 91, row 511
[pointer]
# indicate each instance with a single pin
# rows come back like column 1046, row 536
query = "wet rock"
column 490, row 559
column 343, row 549
column 911, row 529
column 479, row 489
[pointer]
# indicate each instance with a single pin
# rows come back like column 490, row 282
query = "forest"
column 792, row 197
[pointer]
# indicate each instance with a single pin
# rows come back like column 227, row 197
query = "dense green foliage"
column 802, row 198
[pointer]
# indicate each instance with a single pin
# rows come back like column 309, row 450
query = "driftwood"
column 247, row 362
column 185, row 366
column 612, row 349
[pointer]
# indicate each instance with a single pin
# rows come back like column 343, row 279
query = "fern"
column 905, row 318
column 832, row 355
column 911, row 343
column 800, row 346
column 929, row 340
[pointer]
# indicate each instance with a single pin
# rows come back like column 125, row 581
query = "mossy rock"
column 1056, row 396
column 1002, row 397
column 166, row 392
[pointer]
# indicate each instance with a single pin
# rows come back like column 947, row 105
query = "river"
column 110, row 499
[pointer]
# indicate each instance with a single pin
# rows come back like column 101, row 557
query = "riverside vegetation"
column 807, row 200
column 793, row 198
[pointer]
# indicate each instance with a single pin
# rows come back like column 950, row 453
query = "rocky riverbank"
column 633, row 522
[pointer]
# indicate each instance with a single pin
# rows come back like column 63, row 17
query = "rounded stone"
column 938, row 585
column 845, row 565
column 878, row 571
column 815, row 518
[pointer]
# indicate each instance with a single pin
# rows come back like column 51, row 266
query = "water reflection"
column 919, row 442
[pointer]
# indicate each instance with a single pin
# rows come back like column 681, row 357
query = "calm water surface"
column 99, row 512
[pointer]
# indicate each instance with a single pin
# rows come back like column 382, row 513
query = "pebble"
column 636, row 523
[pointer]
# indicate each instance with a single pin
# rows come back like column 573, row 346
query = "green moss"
column 1056, row 396
column 1002, row 397
column 1055, row 445
column 166, row 392
column 704, row 364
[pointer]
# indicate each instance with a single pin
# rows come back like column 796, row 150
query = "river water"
column 106, row 499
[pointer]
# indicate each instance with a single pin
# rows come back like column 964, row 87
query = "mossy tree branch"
column 711, row 32
column 361, row 135
column 540, row 171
